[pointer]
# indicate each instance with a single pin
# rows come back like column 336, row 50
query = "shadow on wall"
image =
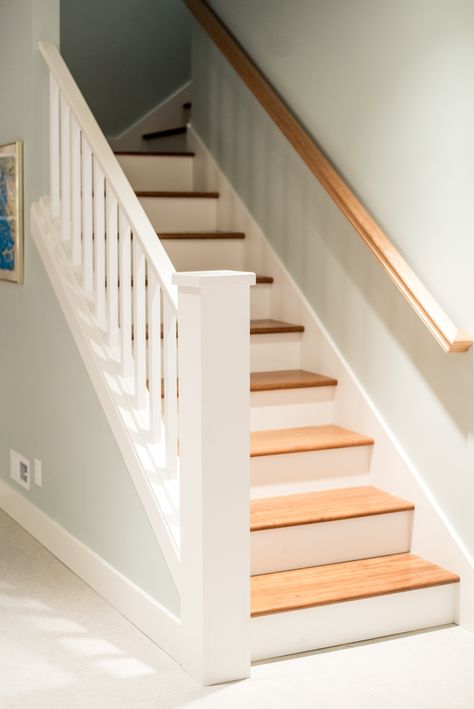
column 127, row 57
column 360, row 306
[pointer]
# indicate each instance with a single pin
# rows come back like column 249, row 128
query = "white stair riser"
column 181, row 213
column 314, row 470
column 158, row 172
column 205, row 254
column 330, row 542
column 288, row 352
column 289, row 408
column 260, row 300
column 277, row 351
column 339, row 623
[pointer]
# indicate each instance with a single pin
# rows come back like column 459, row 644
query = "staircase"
column 330, row 561
column 153, row 275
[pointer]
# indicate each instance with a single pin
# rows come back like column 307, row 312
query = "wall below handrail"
column 446, row 333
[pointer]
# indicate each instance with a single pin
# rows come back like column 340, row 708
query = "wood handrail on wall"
column 438, row 323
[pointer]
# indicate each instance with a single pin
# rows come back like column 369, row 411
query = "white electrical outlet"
column 20, row 469
column 38, row 473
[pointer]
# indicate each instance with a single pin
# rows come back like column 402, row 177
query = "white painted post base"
column 214, row 372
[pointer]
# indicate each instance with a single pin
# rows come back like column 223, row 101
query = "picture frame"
column 11, row 212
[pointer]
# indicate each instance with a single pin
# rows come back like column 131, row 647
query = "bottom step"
column 308, row 609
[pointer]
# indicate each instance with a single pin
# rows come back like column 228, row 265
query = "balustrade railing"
column 124, row 270
column 197, row 501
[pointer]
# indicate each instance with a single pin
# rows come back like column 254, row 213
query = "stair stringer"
column 433, row 536
column 110, row 388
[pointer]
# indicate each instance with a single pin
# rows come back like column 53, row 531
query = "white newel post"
column 214, row 373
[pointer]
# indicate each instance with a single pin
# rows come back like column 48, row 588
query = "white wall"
column 386, row 88
column 48, row 408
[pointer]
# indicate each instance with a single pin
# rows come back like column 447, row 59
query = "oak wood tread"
column 159, row 153
column 168, row 194
column 201, row 235
column 289, row 379
column 347, row 581
column 325, row 506
column 256, row 327
column 179, row 130
column 269, row 326
column 305, row 439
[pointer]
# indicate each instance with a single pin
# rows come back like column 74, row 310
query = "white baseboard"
column 147, row 614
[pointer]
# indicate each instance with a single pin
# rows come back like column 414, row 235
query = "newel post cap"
column 213, row 279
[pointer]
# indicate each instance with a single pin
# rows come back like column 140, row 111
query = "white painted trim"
column 341, row 623
column 146, row 613
column 180, row 95
column 305, row 545
column 105, row 158
column 102, row 371
column 433, row 535
column 213, row 366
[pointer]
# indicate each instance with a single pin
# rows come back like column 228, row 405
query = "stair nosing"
column 165, row 132
column 301, row 447
column 251, row 321
column 414, row 585
column 157, row 153
column 278, row 327
column 176, row 194
column 401, row 506
column 323, row 382
column 196, row 235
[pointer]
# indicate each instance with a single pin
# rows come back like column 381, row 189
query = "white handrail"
column 134, row 212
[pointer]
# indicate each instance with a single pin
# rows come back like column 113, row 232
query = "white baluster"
column 87, row 212
column 54, row 140
column 154, row 350
column 76, row 192
column 214, row 355
column 139, row 324
column 170, row 386
column 65, row 170
column 112, row 267
column 125, row 245
column 99, row 244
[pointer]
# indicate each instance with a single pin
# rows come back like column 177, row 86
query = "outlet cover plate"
column 20, row 470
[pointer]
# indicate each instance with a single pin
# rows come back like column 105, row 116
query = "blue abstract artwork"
column 8, row 222
column 11, row 216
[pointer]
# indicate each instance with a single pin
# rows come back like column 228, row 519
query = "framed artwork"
column 11, row 212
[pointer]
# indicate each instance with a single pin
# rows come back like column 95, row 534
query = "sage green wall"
column 48, row 408
column 386, row 88
column 126, row 55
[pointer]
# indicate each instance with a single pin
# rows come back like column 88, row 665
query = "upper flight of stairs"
column 330, row 553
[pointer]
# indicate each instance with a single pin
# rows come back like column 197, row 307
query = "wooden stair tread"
column 347, row 581
column 269, row 326
column 159, row 153
column 288, row 379
column 255, row 328
column 325, row 506
column 179, row 130
column 264, row 279
column 187, row 194
column 201, row 235
column 307, row 438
